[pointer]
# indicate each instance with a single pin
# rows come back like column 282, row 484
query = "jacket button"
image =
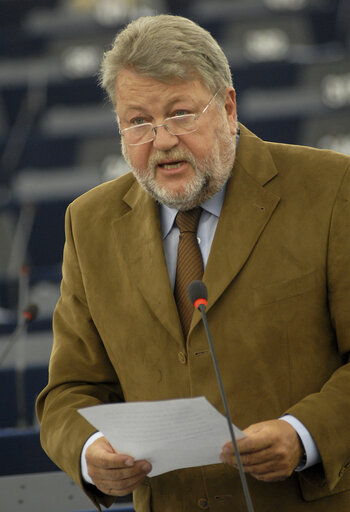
column 203, row 503
column 182, row 357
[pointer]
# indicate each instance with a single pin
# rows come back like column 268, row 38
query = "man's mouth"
column 171, row 165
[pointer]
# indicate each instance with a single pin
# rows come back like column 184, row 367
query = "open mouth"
column 172, row 165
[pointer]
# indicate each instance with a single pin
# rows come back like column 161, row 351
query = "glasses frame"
column 155, row 126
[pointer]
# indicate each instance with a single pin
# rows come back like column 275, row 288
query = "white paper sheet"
column 170, row 434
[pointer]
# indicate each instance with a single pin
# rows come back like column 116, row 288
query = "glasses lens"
column 138, row 134
column 181, row 124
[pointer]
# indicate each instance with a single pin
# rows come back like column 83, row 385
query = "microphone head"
column 30, row 313
column 198, row 293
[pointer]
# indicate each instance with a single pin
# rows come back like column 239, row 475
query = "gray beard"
column 211, row 173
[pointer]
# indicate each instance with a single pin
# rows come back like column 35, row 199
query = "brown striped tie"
column 189, row 263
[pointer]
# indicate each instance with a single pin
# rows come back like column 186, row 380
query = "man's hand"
column 113, row 473
column 270, row 452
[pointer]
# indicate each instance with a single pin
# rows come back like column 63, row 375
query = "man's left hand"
column 270, row 451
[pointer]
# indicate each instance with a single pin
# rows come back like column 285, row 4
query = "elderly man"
column 272, row 223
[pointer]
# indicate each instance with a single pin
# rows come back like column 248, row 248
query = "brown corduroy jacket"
column 278, row 279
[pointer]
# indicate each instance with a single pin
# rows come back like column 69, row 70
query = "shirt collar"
column 167, row 215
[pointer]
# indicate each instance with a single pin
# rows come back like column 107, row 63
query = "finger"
column 140, row 469
column 106, row 460
column 250, row 459
column 255, row 443
column 228, row 456
column 266, row 472
column 122, row 488
column 269, row 468
column 276, row 455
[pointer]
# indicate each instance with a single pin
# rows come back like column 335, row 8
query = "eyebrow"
column 169, row 105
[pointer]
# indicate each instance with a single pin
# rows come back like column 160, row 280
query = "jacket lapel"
column 139, row 240
column 247, row 209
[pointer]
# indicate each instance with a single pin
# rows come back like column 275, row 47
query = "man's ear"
column 231, row 109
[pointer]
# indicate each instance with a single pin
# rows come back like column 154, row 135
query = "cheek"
column 138, row 156
column 201, row 147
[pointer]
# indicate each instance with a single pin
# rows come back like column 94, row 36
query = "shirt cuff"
column 83, row 465
column 312, row 455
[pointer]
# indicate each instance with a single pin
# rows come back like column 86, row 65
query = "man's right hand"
column 113, row 473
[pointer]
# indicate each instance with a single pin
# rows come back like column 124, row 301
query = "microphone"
column 198, row 294
column 28, row 315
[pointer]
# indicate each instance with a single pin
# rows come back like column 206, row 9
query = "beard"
column 210, row 172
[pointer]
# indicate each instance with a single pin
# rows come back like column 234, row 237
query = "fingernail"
column 146, row 468
column 129, row 462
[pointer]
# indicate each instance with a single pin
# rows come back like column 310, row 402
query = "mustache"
column 173, row 154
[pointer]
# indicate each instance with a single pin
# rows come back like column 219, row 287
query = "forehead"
column 133, row 88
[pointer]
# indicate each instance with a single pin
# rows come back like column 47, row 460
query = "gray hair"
column 165, row 47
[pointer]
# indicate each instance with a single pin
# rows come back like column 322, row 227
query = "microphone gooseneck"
column 198, row 294
column 27, row 316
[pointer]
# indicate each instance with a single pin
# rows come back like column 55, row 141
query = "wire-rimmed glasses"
column 176, row 125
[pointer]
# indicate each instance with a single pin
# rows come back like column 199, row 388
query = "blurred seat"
column 45, row 194
column 79, row 17
column 343, row 22
column 13, row 11
column 3, row 118
column 329, row 132
column 52, row 491
column 35, row 379
column 22, row 453
column 30, row 481
column 8, row 405
column 322, row 89
column 206, row 10
column 279, row 38
column 330, row 82
column 7, row 227
column 78, row 121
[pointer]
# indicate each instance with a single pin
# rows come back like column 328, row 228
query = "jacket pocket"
column 314, row 486
column 281, row 290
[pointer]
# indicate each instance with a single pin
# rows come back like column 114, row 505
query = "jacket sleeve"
column 327, row 414
column 80, row 374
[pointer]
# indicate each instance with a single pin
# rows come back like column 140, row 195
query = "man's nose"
column 164, row 140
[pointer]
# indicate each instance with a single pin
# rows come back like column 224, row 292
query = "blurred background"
column 290, row 61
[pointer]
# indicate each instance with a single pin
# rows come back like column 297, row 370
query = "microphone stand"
column 198, row 296
column 12, row 340
column 18, row 336
column 248, row 500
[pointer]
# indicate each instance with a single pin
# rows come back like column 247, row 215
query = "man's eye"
column 180, row 113
column 138, row 120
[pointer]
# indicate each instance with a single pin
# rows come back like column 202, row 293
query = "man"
column 274, row 238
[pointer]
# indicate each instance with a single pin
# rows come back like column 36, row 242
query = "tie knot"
column 188, row 221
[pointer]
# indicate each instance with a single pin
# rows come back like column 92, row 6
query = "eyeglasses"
column 176, row 125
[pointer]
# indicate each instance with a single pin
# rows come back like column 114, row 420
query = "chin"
column 181, row 198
